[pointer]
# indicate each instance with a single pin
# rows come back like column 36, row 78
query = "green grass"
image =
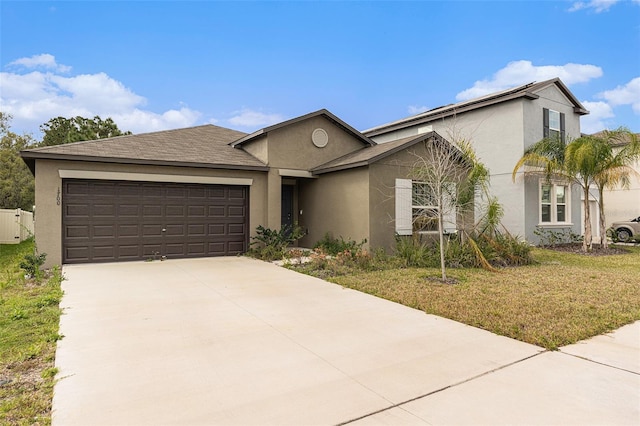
column 29, row 320
column 562, row 299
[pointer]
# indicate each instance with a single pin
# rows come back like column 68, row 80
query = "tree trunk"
column 587, row 240
column 441, row 235
column 604, row 243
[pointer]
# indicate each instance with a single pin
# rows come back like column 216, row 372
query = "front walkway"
column 239, row 341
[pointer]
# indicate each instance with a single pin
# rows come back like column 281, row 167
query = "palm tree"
column 620, row 148
column 551, row 158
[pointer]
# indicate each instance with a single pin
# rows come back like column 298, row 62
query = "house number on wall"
column 58, row 197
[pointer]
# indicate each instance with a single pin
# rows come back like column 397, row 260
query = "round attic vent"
column 320, row 138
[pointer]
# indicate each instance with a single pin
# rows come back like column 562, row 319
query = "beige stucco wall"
column 48, row 224
column 336, row 202
column 382, row 194
column 291, row 147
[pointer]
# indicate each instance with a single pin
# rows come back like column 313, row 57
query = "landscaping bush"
column 555, row 237
column 271, row 244
column 480, row 251
column 333, row 246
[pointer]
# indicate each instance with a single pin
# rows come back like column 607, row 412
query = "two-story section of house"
column 501, row 126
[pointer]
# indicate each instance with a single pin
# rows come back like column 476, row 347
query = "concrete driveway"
column 234, row 341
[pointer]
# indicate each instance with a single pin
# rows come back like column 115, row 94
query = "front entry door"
column 287, row 206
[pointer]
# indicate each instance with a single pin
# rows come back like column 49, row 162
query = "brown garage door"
column 111, row 221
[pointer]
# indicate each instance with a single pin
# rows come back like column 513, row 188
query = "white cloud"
column 596, row 120
column 413, row 109
column 140, row 121
column 629, row 94
column 597, row 5
column 34, row 97
column 44, row 60
column 248, row 118
column 522, row 72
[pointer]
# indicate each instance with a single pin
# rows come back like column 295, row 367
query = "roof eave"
column 29, row 158
column 418, row 139
column 450, row 111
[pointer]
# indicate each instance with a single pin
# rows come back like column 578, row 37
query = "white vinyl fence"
column 15, row 226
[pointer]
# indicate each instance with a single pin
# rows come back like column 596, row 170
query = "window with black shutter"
column 553, row 124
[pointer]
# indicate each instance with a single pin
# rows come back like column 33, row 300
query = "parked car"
column 626, row 231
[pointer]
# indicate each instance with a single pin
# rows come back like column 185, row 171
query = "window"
column 553, row 124
column 417, row 209
column 424, row 208
column 554, row 203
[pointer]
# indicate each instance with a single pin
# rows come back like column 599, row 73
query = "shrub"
column 272, row 244
column 413, row 252
column 334, row 246
column 554, row 237
column 481, row 251
column 32, row 262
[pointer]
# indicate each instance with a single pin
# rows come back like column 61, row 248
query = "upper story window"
column 553, row 124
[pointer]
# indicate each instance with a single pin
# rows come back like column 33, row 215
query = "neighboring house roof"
column 323, row 112
column 526, row 91
column 616, row 142
column 367, row 156
column 201, row 146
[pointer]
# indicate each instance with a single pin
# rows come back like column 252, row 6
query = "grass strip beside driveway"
column 563, row 299
column 29, row 321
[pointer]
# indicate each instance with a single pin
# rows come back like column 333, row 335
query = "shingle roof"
column 526, row 91
column 201, row 146
column 369, row 155
column 323, row 112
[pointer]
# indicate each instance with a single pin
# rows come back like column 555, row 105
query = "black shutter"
column 562, row 127
column 545, row 123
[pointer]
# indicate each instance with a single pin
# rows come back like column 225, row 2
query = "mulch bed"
column 596, row 251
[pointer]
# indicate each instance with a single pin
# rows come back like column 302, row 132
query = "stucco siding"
column 497, row 135
column 623, row 204
column 48, row 224
column 337, row 203
column 291, row 147
column 500, row 133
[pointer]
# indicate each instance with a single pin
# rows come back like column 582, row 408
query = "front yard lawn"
column 562, row 299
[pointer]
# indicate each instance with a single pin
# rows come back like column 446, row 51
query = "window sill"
column 554, row 224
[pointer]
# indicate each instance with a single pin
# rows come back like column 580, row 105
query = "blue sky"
column 245, row 65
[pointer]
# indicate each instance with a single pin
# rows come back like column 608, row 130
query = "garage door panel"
column 119, row 220
column 236, row 229
column 235, row 247
column 103, row 210
column 132, row 230
column 77, row 188
column 129, row 190
column 128, row 210
column 79, row 254
column 176, row 192
column 176, row 211
column 236, row 211
column 77, row 210
column 152, row 192
column 129, row 253
column 103, row 252
column 175, row 230
column 152, row 230
column 104, row 231
column 154, row 210
column 77, row 232
column 103, row 190
column 196, row 230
